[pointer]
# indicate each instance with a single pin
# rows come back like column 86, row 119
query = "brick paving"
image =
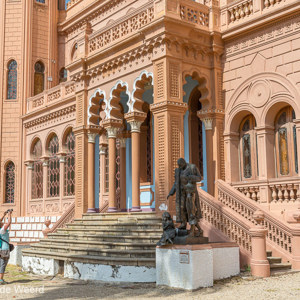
column 27, row 286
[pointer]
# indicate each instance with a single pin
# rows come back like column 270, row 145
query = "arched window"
column 70, row 165
column 12, row 80
column 39, row 79
column 286, row 143
column 37, row 172
column 248, row 149
column 53, row 167
column 10, row 183
column 63, row 74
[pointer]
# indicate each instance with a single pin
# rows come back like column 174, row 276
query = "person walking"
column 4, row 242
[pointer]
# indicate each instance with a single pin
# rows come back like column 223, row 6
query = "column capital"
column 135, row 119
column 122, row 142
column 102, row 149
column 29, row 164
column 135, row 126
column 92, row 137
column 45, row 160
column 207, row 123
column 112, row 126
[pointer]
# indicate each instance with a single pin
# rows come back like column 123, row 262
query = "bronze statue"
column 187, row 198
column 169, row 230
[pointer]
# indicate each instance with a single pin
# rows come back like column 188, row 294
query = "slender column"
column 112, row 134
column 91, row 172
column 102, row 153
column 62, row 161
column 45, row 179
column 29, row 166
column 208, row 122
column 123, row 173
column 135, row 159
column 231, row 145
column 297, row 122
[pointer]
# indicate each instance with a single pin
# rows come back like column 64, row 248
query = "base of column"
column 112, row 209
column 91, row 210
column 135, row 209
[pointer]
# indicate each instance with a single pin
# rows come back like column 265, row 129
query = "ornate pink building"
column 100, row 99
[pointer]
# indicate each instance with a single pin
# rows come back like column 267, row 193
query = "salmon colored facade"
column 100, row 98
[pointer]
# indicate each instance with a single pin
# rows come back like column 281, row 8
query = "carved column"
column 266, row 159
column 91, row 172
column 135, row 120
column 231, row 141
column 123, row 173
column 29, row 167
column 62, row 162
column 208, row 124
column 102, row 189
column 297, row 122
column 45, row 179
column 169, row 147
column 112, row 127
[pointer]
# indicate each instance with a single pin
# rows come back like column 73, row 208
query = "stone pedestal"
column 194, row 266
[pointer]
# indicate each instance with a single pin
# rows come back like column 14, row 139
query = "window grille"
column 37, row 173
column 70, row 165
column 10, row 183
column 12, row 81
column 53, row 168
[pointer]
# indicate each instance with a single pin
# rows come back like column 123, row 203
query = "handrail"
column 67, row 217
column 280, row 234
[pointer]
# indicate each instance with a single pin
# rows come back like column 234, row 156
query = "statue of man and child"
column 187, row 204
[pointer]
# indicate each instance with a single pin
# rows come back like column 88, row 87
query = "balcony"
column 52, row 96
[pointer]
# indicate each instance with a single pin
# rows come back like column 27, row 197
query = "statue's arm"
column 173, row 190
column 196, row 176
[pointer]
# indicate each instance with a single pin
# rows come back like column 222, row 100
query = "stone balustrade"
column 241, row 10
column 56, row 94
column 235, row 13
column 280, row 191
column 194, row 12
column 279, row 233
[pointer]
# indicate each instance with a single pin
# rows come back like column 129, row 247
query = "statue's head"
column 166, row 216
column 181, row 163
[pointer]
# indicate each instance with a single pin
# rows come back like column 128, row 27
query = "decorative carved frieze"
column 54, row 115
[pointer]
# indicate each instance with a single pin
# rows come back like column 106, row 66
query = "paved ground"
column 26, row 286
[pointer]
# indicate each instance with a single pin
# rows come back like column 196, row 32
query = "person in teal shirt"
column 4, row 248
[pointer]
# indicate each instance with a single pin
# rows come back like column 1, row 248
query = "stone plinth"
column 193, row 266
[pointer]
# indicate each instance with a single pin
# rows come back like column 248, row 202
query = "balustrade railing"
column 237, row 12
column 225, row 220
column 286, row 191
column 280, row 234
column 58, row 93
column 241, row 10
column 194, row 12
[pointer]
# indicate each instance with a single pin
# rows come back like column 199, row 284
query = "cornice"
column 42, row 119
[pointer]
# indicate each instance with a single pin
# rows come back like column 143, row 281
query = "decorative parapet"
column 280, row 234
column 195, row 13
column 120, row 31
column 235, row 13
column 56, row 94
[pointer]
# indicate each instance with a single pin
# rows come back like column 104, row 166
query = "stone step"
column 274, row 260
column 115, row 231
column 138, row 215
column 103, row 260
column 100, row 224
column 112, row 238
column 121, row 218
column 102, row 245
column 96, row 251
column 280, row 266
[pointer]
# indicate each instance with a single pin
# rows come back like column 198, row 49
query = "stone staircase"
column 126, row 239
column 276, row 263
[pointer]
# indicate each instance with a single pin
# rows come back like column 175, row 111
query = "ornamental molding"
column 165, row 105
column 49, row 117
column 265, row 35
